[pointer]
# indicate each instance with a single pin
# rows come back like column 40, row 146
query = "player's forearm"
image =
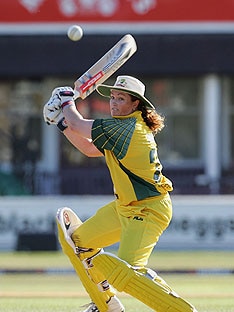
column 84, row 145
column 76, row 122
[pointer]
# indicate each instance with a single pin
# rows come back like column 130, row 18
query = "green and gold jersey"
column 131, row 156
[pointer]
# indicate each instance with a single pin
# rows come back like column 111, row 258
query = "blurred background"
column 185, row 58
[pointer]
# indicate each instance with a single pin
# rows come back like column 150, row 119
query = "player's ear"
column 135, row 104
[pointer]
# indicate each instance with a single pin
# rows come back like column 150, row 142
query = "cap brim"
column 105, row 90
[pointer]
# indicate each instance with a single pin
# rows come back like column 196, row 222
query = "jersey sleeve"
column 113, row 134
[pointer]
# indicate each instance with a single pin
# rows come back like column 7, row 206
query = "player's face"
column 121, row 103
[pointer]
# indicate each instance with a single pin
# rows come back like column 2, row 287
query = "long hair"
column 150, row 116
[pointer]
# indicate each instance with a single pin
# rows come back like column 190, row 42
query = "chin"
column 115, row 113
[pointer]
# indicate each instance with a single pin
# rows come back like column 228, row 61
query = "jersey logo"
column 138, row 218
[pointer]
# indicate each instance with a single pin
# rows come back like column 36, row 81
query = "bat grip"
column 76, row 94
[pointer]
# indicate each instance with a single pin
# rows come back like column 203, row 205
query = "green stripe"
column 113, row 134
column 142, row 188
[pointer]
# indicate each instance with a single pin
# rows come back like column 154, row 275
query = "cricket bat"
column 105, row 66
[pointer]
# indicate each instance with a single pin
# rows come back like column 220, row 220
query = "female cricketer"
column 142, row 208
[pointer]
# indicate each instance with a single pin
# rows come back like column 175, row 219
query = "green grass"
column 63, row 292
column 159, row 259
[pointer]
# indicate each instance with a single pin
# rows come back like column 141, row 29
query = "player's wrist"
column 62, row 125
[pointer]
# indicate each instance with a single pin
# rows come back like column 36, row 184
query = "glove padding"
column 54, row 118
column 52, row 111
column 65, row 94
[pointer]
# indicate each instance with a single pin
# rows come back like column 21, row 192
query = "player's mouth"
column 114, row 110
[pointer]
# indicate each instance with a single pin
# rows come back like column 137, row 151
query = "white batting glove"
column 52, row 113
column 52, row 116
column 52, row 109
column 65, row 94
column 54, row 103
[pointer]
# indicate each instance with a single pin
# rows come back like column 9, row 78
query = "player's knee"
column 81, row 238
column 86, row 254
column 82, row 246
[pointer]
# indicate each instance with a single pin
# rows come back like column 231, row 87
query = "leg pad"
column 124, row 278
column 64, row 216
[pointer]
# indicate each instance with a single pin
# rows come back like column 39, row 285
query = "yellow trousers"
column 137, row 227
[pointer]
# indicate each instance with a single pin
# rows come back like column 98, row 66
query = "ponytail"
column 152, row 119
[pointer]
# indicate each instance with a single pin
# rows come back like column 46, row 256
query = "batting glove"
column 54, row 116
column 65, row 94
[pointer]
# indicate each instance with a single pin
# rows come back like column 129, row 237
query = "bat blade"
column 105, row 66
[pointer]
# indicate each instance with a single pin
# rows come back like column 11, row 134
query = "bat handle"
column 76, row 94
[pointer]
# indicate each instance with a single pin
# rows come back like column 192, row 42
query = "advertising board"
column 199, row 222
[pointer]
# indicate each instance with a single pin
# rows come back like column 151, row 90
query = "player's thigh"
column 141, row 231
column 100, row 230
column 137, row 241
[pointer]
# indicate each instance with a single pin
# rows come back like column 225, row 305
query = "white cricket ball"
column 75, row 32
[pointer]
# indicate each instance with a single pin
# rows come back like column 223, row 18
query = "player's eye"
column 117, row 98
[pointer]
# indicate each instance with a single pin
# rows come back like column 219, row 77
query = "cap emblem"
column 121, row 83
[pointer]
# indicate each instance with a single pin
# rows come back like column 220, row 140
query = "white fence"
column 199, row 222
